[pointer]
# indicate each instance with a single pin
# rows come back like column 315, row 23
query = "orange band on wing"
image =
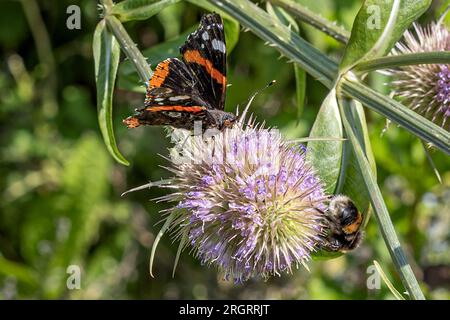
column 160, row 74
column 193, row 109
column 352, row 228
column 194, row 56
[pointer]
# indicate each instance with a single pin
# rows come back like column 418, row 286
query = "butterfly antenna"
column 250, row 100
column 148, row 186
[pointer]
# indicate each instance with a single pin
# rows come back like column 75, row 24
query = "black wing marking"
column 204, row 53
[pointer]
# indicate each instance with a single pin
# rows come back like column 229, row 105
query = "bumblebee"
column 342, row 226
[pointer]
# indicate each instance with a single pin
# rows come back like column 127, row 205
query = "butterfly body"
column 183, row 91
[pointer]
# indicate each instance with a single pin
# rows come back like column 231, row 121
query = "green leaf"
column 377, row 26
column 106, row 58
column 158, row 238
column 431, row 162
column 183, row 241
column 20, row 272
column 139, row 9
column 363, row 132
column 325, row 255
column 326, row 155
column 386, row 280
column 351, row 182
column 332, row 159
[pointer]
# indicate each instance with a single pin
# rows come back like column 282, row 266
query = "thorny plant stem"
column 404, row 60
column 45, row 54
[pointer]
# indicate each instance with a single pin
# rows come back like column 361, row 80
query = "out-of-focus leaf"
column 300, row 84
column 171, row 19
column 232, row 29
column 139, row 9
column 326, row 155
column 106, row 57
column 85, row 184
column 22, row 273
column 325, row 255
column 378, row 25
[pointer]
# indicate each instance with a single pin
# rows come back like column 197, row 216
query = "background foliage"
column 60, row 189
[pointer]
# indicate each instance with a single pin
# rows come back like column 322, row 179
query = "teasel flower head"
column 424, row 88
column 245, row 201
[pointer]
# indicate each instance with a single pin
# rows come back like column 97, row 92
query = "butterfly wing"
column 172, row 84
column 204, row 53
column 180, row 91
column 171, row 98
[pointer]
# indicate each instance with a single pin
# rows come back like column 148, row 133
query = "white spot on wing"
column 205, row 35
column 159, row 99
column 177, row 98
column 218, row 45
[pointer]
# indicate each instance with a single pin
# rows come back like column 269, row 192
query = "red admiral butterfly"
column 193, row 88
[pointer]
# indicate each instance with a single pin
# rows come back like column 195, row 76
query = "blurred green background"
column 60, row 190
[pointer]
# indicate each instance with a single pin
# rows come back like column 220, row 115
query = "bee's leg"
column 356, row 241
column 333, row 244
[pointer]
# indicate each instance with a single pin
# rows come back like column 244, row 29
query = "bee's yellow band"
column 352, row 228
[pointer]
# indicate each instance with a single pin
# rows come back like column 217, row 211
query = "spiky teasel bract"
column 425, row 88
column 245, row 200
